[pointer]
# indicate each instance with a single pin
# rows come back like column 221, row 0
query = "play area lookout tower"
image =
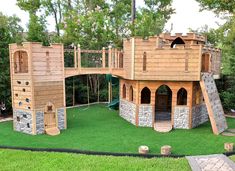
column 166, row 82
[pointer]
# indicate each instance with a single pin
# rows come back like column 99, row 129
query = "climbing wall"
column 213, row 103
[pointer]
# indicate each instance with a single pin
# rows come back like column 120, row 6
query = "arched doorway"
column 177, row 41
column 163, row 103
column 205, row 62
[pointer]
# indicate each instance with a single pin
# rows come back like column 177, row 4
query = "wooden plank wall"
column 48, row 75
column 127, row 61
column 166, row 63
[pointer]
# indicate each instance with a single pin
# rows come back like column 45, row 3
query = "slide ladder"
column 213, row 103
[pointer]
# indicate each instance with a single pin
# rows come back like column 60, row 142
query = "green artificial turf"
column 25, row 160
column 99, row 129
column 232, row 158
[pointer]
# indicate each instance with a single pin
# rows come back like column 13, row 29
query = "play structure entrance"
column 163, row 103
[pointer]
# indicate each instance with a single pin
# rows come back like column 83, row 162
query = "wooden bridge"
column 95, row 62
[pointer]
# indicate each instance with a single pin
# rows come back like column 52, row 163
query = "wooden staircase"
column 52, row 131
column 162, row 126
column 213, row 103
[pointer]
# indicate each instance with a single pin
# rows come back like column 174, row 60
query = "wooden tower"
column 169, row 83
column 38, row 88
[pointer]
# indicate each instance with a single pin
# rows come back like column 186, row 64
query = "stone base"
column 23, row 120
column 199, row 115
column 127, row 111
column 145, row 115
column 181, row 117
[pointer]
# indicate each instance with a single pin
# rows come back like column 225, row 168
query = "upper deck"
column 164, row 57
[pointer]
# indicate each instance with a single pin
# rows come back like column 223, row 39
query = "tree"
column 37, row 25
column 10, row 32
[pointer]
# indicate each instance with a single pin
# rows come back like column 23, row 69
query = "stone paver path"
column 216, row 162
column 6, row 119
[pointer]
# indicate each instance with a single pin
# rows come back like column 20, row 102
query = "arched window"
column 144, row 61
column 205, row 62
column 20, row 62
column 131, row 93
column 182, row 97
column 124, row 91
column 145, row 96
column 177, row 41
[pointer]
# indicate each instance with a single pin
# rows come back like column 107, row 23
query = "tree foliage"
column 10, row 31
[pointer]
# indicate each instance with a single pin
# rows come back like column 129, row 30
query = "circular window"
column 19, row 82
column 27, row 83
column 27, row 100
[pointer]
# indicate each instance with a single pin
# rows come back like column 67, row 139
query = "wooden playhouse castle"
column 166, row 82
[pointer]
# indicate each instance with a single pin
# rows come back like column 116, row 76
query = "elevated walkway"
column 213, row 103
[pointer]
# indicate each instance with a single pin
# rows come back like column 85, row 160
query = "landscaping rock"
column 166, row 150
column 143, row 149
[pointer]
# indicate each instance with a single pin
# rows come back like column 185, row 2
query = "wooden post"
column 79, row 57
column 88, row 93
column 110, row 58
column 73, row 93
column 98, row 82
column 75, row 57
column 115, row 57
column 103, row 57
column 109, row 90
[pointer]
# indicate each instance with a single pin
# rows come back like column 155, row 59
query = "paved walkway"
column 216, row 162
column 6, row 119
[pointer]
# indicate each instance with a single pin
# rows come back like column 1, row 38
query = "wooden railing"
column 105, row 61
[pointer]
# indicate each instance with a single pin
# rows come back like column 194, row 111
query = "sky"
column 186, row 15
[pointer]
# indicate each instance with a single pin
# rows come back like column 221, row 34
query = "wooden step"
column 163, row 126
column 52, row 131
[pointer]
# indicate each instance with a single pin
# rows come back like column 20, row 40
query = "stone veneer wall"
column 145, row 115
column 199, row 115
column 22, row 121
column 127, row 110
column 40, row 122
column 181, row 117
column 61, row 118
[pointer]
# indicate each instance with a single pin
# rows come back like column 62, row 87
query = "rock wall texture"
column 199, row 115
column 61, row 118
column 181, row 117
column 214, row 101
column 145, row 115
column 40, row 122
column 22, row 121
column 127, row 110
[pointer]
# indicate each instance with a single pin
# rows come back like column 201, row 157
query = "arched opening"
column 49, row 116
column 131, row 94
column 20, row 62
column 182, row 97
column 145, row 96
column 163, row 103
column 144, row 61
column 205, row 62
column 177, row 41
column 124, row 91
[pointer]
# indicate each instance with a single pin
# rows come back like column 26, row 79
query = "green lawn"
column 25, row 160
column 100, row 129
column 232, row 158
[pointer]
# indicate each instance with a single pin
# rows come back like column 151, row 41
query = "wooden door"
column 49, row 119
column 162, row 102
column 205, row 63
